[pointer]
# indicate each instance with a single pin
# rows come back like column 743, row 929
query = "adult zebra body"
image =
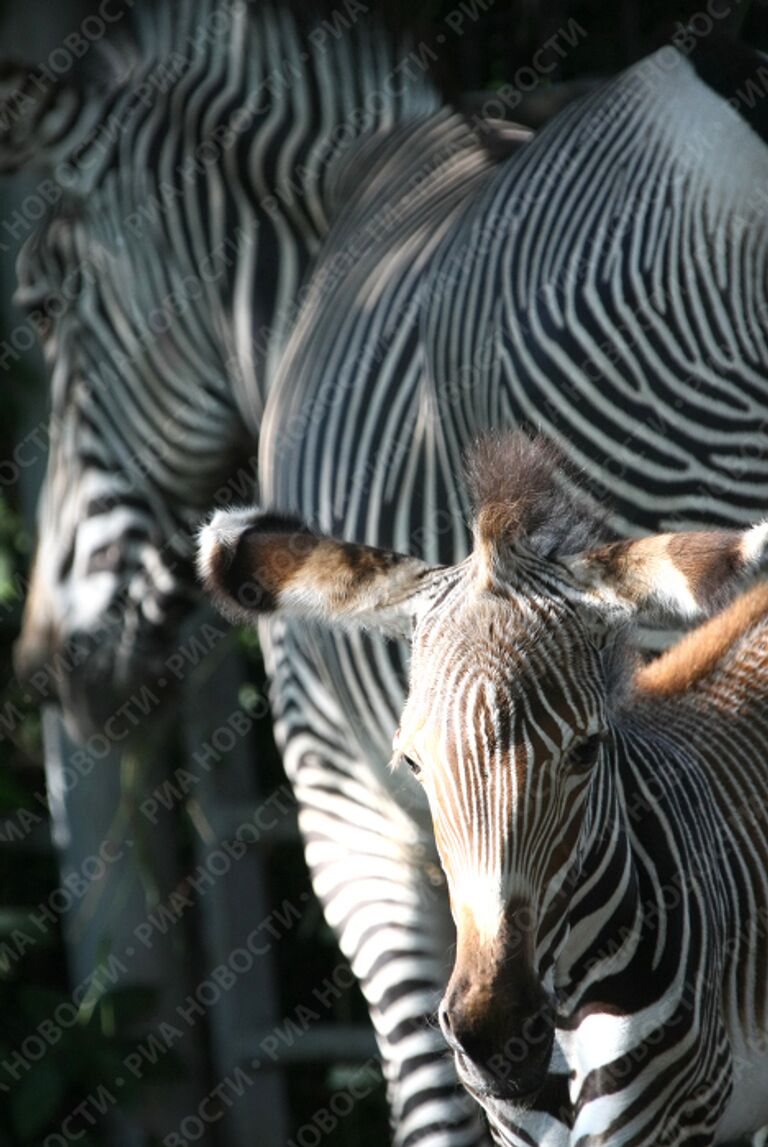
column 604, row 842
column 586, row 315
column 194, row 186
column 608, row 284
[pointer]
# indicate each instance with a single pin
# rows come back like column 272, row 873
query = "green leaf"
column 12, row 797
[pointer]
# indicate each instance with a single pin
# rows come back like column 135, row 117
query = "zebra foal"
column 600, row 824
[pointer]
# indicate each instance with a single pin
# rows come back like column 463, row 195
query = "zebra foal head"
column 517, row 667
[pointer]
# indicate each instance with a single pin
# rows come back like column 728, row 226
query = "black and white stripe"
column 455, row 291
column 596, row 822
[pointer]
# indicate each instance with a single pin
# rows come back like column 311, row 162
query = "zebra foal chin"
column 600, row 822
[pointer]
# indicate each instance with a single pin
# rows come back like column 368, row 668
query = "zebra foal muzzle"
column 506, row 1053
column 496, row 1016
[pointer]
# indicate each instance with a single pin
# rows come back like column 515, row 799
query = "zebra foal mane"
column 523, row 488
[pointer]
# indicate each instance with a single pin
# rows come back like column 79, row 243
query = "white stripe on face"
column 497, row 694
column 481, row 899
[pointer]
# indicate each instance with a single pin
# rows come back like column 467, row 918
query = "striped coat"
column 602, row 828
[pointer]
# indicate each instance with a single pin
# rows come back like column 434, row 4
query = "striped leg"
column 382, row 893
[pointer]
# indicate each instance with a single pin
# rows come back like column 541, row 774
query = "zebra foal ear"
column 673, row 576
column 255, row 563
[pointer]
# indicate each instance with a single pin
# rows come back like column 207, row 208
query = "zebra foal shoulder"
column 599, row 824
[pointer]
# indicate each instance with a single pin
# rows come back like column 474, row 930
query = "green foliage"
column 84, row 1065
column 14, row 545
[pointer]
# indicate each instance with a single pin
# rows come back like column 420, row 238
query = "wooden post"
column 226, row 799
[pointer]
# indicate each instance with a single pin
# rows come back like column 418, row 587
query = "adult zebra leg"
column 381, row 890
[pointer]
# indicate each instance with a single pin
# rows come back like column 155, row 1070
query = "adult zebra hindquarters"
column 162, row 324
column 593, row 287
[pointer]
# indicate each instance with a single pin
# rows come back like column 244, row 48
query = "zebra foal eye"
column 584, row 753
column 414, row 766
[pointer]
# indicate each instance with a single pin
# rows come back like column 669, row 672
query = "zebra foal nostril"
column 475, row 1042
column 468, row 1032
column 458, row 1030
column 446, row 1024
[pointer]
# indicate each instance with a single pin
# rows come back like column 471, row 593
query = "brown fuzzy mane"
column 524, row 488
column 694, row 657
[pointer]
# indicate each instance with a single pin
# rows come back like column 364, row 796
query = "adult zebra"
column 196, row 166
column 408, row 342
column 605, row 842
column 608, row 284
